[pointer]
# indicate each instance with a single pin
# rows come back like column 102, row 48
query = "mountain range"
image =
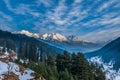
column 50, row 36
column 16, row 41
column 70, row 43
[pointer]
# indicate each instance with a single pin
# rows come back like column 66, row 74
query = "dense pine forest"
column 66, row 67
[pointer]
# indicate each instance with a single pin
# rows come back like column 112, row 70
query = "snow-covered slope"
column 109, row 52
column 110, row 72
column 9, row 70
column 109, row 58
column 27, row 33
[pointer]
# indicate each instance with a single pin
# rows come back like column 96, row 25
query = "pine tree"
column 80, row 67
column 50, row 61
column 67, row 61
column 60, row 62
column 100, row 75
column 65, row 75
column 26, row 50
column 33, row 52
column 20, row 50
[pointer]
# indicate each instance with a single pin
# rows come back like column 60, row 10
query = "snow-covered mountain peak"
column 77, row 39
column 27, row 33
column 53, row 36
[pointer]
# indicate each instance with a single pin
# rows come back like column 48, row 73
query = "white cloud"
column 4, row 25
column 57, row 13
column 107, row 20
column 102, row 35
column 112, row 21
column 47, row 3
column 22, row 9
column 78, row 1
column 5, row 16
column 105, row 5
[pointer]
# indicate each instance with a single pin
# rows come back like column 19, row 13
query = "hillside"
column 109, row 52
column 10, row 70
column 109, row 58
column 19, row 42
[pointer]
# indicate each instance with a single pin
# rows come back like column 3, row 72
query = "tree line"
column 66, row 67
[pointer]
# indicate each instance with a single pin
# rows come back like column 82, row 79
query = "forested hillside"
column 27, row 47
column 66, row 67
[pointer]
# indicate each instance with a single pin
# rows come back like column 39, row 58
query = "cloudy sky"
column 89, row 19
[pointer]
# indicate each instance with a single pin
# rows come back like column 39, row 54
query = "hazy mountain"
column 70, row 43
column 110, row 52
column 109, row 58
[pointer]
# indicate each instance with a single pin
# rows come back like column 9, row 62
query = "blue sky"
column 89, row 19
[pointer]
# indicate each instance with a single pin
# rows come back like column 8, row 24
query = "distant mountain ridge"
column 70, row 43
column 50, row 36
column 15, row 41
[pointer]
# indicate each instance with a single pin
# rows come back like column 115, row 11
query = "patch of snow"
column 21, row 61
column 110, row 73
column 27, row 33
column 26, row 75
column 3, row 68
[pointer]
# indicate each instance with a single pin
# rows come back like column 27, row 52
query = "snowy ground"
column 5, row 67
column 110, row 73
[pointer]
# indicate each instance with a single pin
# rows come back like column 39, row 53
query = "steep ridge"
column 108, row 58
column 110, row 52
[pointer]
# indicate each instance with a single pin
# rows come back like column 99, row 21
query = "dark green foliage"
column 50, row 61
column 33, row 53
column 65, row 75
column 59, row 62
column 80, row 66
column 67, row 67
